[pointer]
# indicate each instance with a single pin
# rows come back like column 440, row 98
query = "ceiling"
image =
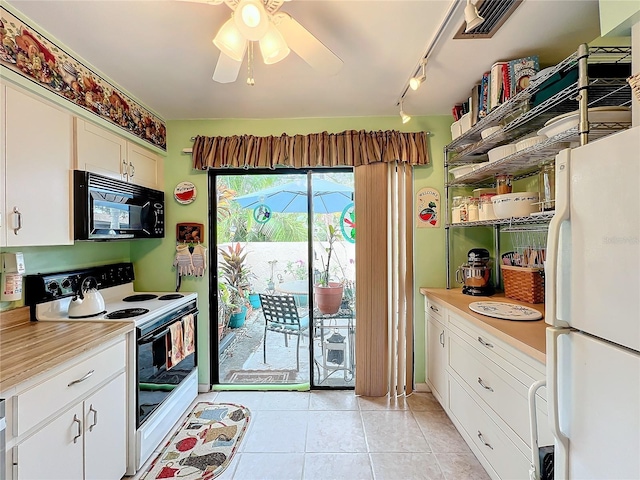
column 161, row 52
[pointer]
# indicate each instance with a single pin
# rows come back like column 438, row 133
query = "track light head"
column 471, row 17
column 416, row 81
column 404, row 116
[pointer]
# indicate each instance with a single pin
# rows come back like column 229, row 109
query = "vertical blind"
column 384, row 279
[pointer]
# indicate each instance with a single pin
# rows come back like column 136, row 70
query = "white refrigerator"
column 593, row 308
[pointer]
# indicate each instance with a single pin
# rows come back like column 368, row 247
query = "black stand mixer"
column 475, row 275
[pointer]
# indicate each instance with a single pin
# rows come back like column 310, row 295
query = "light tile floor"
column 337, row 435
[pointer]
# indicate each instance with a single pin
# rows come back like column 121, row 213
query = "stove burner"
column 139, row 298
column 127, row 312
column 171, row 296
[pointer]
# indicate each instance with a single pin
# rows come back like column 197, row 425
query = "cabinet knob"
column 483, row 385
column 483, row 440
column 17, row 220
column 87, row 375
column 77, row 421
column 95, row 417
column 125, row 169
column 132, row 170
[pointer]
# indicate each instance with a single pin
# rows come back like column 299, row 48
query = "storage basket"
column 523, row 283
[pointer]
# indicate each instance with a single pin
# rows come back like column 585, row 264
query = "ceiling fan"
column 277, row 33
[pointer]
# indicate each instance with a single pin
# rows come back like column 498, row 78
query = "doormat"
column 204, row 445
column 260, row 376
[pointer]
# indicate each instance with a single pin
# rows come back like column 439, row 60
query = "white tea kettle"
column 88, row 302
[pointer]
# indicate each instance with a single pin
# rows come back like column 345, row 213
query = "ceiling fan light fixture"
column 273, row 46
column 471, row 16
column 251, row 19
column 230, row 41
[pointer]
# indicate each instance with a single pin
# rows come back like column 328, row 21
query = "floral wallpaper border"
column 24, row 50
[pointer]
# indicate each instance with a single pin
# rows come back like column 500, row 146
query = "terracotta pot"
column 328, row 299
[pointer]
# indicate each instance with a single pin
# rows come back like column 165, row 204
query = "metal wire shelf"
column 541, row 218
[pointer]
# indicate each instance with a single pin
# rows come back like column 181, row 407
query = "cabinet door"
column 105, row 417
column 144, row 166
column 437, row 359
column 3, row 142
column 39, row 141
column 100, row 151
column 51, row 452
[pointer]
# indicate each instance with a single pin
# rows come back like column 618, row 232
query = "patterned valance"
column 349, row 148
column 30, row 54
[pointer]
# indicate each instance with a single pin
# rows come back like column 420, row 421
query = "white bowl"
column 460, row 171
column 497, row 153
column 456, row 131
column 519, row 204
column 529, row 142
column 487, row 132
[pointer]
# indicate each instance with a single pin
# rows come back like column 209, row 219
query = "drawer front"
column 434, row 309
column 41, row 401
column 507, row 397
column 504, row 457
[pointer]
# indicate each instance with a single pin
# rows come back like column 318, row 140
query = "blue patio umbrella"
column 328, row 197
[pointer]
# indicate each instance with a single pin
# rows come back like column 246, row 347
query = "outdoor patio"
column 241, row 362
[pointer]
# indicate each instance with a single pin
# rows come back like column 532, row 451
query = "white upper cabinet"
column 37, row 160
column 100, row 151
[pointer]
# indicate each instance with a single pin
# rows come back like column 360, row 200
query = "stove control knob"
column 66, row 283
column 53, row 287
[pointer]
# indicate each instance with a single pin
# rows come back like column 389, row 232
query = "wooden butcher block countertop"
column 526, row 336
column 30, row 348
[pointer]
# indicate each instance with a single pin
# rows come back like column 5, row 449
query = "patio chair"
column 281, row 316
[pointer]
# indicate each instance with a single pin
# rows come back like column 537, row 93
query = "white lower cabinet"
column 437, row 359
column 482, row 383
column 87, row 441
column 71, row 424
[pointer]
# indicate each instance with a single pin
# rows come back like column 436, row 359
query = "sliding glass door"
column 284, row 247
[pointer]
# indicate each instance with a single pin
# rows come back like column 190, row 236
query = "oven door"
column 166, row 355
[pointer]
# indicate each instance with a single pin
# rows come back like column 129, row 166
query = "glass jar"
column 547, row 186
column 485, row 209
column 472, row 209
column 455, row 209
column 503, row 183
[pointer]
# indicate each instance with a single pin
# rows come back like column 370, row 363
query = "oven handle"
column 152, row 337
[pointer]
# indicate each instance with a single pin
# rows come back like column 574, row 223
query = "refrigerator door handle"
column 553, row 237
column 561, row 465
column 534, row 471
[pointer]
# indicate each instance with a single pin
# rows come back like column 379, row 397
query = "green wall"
column 156, row 260
column 618, row 16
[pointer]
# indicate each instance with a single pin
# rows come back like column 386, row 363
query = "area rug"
column 260, row 376
column 204, row 445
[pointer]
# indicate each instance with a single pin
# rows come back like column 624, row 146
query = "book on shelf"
column 520, row 72
column 484, row 96
column 474, row 104
column 456, row 111
column 496, row 84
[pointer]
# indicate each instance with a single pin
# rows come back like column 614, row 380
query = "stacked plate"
column 566, row 121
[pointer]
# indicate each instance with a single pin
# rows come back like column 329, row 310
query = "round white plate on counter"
column 505, row 311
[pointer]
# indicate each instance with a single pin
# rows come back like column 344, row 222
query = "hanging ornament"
column 348, row 223
column 262, row 213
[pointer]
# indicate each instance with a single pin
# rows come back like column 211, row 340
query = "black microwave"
column 110, row 209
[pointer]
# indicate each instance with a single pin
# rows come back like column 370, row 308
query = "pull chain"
column 250, row 80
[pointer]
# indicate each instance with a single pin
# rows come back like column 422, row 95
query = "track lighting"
column 471, row 16
column 416, row 81
column 405, row 117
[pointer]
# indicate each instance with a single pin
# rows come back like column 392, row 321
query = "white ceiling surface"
column 161, row 53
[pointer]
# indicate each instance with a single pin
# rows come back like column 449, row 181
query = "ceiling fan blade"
column 227, row 69
column 308, row 47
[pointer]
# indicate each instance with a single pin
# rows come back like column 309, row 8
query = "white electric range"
column 159, row 393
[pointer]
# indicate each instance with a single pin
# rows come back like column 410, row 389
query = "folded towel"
column 188, row 329
column 175, row 345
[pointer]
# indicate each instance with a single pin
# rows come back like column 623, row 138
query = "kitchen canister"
column 485, row 207
column 547, row 186
column 455, row 209
column 472, row 209
column 503, row 183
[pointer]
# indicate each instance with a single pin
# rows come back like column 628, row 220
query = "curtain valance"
column 349, row 148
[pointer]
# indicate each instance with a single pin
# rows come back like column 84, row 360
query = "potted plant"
column 236, row 275
column 328, row 294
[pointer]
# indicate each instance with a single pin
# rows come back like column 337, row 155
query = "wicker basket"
column 523, row 283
